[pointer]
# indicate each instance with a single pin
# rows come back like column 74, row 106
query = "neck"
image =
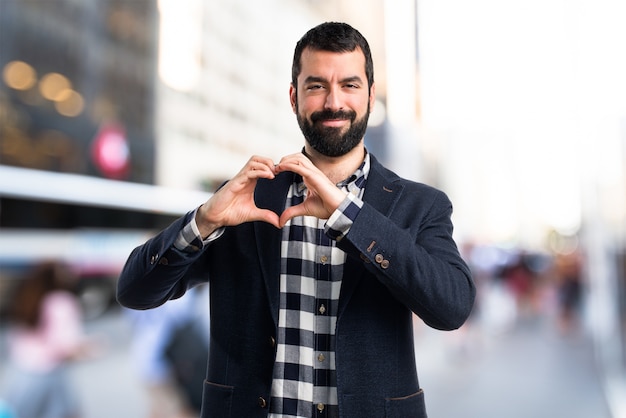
column 337, row 169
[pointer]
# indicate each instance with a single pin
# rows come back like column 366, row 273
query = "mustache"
column 329, row 114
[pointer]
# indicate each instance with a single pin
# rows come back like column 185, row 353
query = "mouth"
column 332, row 119
column 334, row 123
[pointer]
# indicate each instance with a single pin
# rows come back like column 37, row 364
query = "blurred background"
column 117, row 116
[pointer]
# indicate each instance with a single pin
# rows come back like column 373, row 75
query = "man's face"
column 332, row 102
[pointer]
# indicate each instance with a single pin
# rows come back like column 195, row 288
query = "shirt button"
column 322, row 309
column 321, row 358
column 262, row 402
column 154, row 258
column 324, row 259
column 320, row 407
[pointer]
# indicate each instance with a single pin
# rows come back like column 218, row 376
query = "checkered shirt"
column 304, row 381
column 304, row 378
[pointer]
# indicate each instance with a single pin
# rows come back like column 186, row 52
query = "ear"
column 293, row 97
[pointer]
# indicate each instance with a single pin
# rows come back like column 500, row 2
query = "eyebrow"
column 316, row 79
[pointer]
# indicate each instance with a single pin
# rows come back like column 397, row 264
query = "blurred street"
column 529, row 370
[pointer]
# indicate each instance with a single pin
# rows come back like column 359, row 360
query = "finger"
column 255, row 168
column 297, row 164
column 290, row 213
column 258, row 163
column 254, row 173
column 268, row 216
column 257, row 159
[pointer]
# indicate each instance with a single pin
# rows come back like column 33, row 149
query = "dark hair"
column 332, row 37
column 26, row 301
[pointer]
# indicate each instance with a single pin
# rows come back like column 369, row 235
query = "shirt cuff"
column 189, row 238
column 339, row 223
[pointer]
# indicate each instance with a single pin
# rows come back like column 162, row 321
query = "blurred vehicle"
column 89, row 223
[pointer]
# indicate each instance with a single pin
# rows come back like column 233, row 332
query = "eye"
column 314, row 87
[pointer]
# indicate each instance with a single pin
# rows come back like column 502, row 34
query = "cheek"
column 307, row 106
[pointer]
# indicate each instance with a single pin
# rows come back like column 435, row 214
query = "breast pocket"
column 412, row 406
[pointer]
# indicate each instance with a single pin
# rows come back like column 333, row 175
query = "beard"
column 330, row 141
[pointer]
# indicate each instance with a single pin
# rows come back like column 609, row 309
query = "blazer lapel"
column 271, row 194
column 382, row 191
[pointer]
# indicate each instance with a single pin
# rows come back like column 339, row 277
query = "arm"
column 170, row 263
column 157, row 271
column 408, row 245
column 412, row 252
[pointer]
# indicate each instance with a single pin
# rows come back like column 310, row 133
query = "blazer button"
column 262, row 402
column 164, row 261
column 384, row 264
column 379, row 258
column 272, row 342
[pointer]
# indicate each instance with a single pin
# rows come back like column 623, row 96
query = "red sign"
column 110, row 152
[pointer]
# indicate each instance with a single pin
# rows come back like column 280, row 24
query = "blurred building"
column 78, row 86
column 157, row 91
column 77, row 101
column 77, row 96
column 224, row 74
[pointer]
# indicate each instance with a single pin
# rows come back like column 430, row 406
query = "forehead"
column 327, row 64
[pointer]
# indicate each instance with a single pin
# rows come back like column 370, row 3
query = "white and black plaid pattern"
column 304, row 381
column 189, row 239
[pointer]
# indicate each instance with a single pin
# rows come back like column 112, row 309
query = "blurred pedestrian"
column 315, row 264
column 45, row 334
column 569, row 282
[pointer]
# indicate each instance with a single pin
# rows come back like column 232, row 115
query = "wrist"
column 205, row 228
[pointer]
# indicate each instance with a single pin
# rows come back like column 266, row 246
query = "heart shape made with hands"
column 312, row 204
column 239, row 200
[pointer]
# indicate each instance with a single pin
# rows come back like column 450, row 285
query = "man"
column 316, row 263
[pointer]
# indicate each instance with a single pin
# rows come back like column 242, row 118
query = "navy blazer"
column 401, row 259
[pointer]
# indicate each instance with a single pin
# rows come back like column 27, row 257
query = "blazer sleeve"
column 156, row 271
column 412, row 252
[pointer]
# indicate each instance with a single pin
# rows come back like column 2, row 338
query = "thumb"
column 291, row 212
column 268, row 216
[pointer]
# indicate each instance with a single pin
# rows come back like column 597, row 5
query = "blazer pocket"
column 216, row 400
column 412, row 406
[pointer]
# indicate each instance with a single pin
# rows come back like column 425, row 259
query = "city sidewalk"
column 528, row 370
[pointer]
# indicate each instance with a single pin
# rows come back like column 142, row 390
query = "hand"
column 323, row 196
column 233, row 204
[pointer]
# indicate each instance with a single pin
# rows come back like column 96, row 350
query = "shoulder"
column 380, row 173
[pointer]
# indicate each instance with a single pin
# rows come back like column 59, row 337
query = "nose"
column 333, row 99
